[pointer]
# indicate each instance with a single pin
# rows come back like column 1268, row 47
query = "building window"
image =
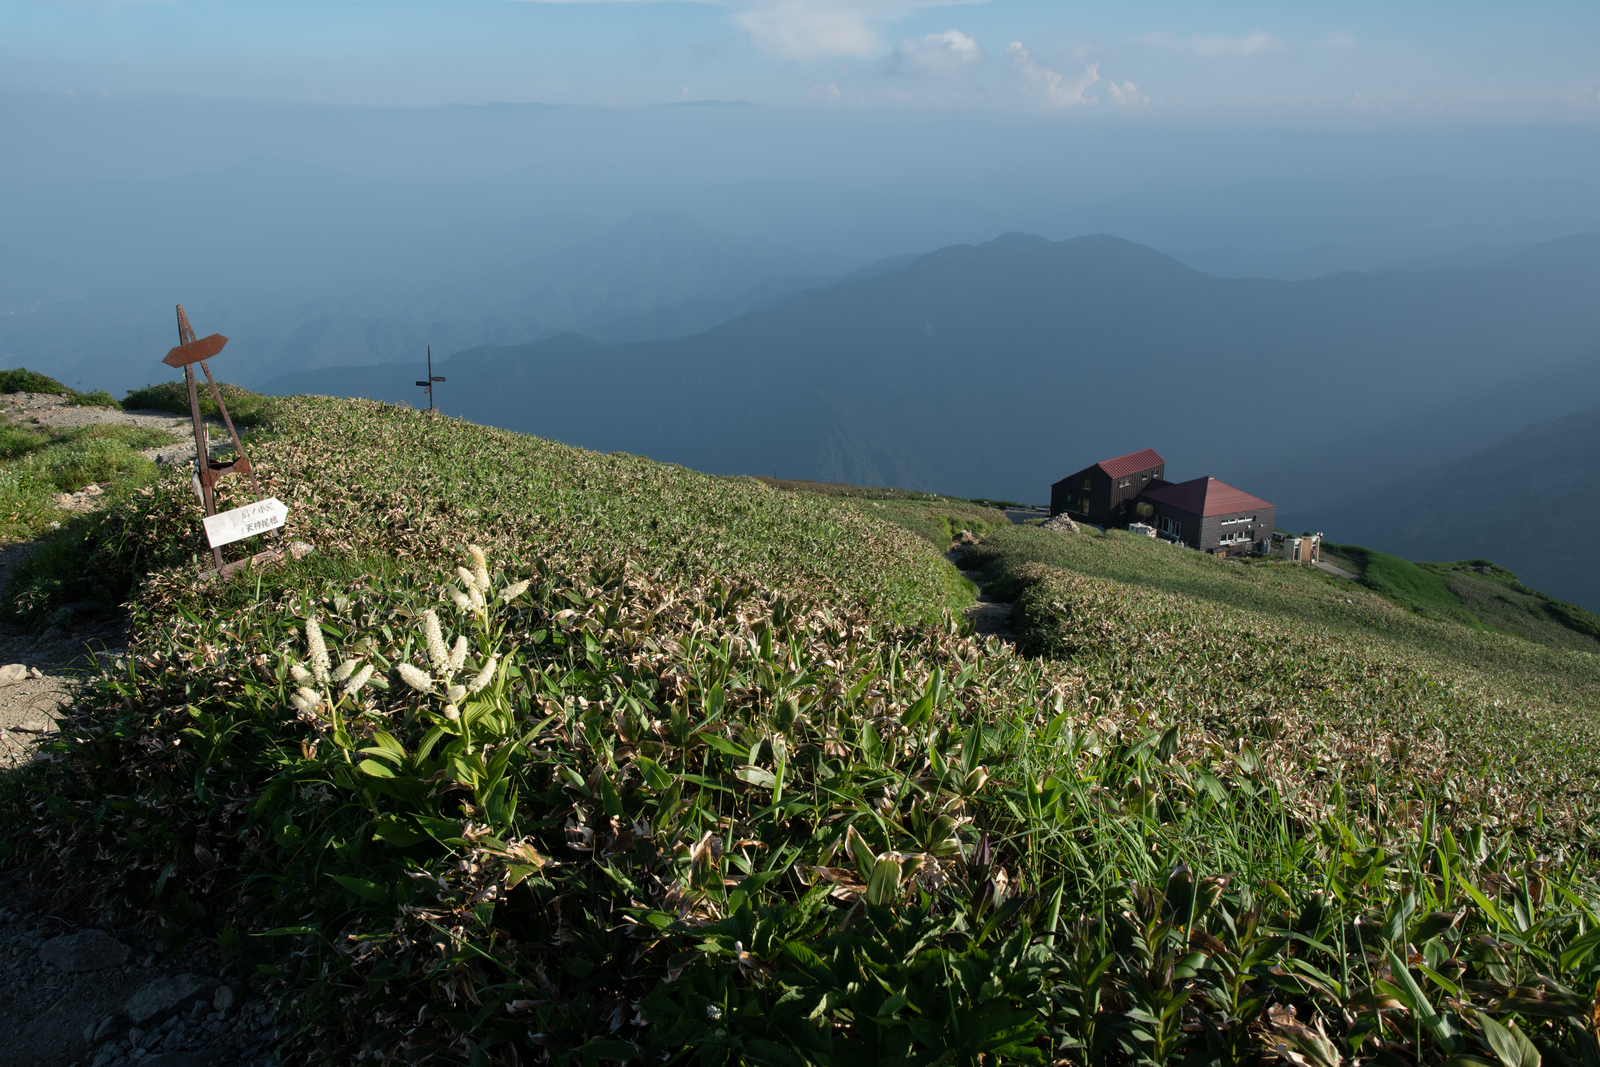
column 1124, row 483
column 1086, row 484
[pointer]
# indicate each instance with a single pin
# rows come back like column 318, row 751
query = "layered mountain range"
column 995, row 369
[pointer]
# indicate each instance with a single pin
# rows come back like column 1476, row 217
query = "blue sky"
column 1431, row 62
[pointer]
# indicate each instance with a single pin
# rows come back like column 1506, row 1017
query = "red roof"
column 1205, row 496
column 1132, row 463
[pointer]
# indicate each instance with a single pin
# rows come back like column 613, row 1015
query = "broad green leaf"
column 362, row 888
column 883, row 888
column 756, row 776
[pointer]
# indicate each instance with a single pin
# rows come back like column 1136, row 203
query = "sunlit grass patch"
column 679, row 768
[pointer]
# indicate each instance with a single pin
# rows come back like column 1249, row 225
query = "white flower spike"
column 485, row 676
column 458, row 657
column 455, row 693
column 480, row 568
column 320, row 665
column 416, row 679
column 300, row 674
column 436, row 650
column 511, row 592
column 345, row 669
column 353, row 686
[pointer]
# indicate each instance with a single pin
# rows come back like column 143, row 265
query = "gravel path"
column 72, row 995
column 77, row 996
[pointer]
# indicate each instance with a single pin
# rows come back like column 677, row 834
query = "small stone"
column 35, row 673
column 135, row 1035
column 225, row 998
column 12, row 673
column 103, row 1031
column 168, row 994
column 180, row 1059
column 86, row 950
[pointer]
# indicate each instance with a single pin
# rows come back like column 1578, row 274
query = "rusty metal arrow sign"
column 194, row 351
column 209, row 472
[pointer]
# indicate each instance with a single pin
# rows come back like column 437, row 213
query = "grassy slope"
column 958, row 802
column 1487, row 698
column 1473, row 592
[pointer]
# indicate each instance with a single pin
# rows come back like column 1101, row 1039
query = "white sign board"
column 252, row 519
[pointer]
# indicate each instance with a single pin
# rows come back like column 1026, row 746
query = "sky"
column 1351, row 62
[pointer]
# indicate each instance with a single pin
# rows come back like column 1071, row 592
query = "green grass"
column 725, row 782
column 939, row 522
column 1137, row 612
column 37, row 463
column 1475, row 593
column 245, row 408
column 22, row 380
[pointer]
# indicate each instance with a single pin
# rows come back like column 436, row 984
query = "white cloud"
column 1057, row 92
column 828, row 94
column 1338, row 39
column 1127, row 94
column 944, row 55
column 818, row 29
column 804, row 29
column 1211, row 45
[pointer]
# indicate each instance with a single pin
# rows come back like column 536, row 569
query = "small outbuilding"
column 1210, row 515
column 1104, row 493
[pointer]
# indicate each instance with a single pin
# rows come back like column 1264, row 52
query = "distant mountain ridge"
column 993, row 369
column 656, row 274
column 1530, row 502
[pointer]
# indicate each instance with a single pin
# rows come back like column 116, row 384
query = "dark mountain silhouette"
column 994, row 369
column 656, row 274
column 1530, row 503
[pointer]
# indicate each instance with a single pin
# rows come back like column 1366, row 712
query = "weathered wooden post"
column 432, row 377
column 238, row 523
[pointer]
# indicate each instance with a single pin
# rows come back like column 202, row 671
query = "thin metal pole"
column 202, row 455
column 238, row 447
column 430, row 377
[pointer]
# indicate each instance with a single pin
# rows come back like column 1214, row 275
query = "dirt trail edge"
column 74, row 993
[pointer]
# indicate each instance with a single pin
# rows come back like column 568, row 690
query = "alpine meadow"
column 799, row 533
column 550, row 755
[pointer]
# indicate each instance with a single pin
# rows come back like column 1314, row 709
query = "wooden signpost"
column 428, row 385
column 247, row 521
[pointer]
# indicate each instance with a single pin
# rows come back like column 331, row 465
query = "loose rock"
column 86, row 950
column 166, row 995
column 12, row 673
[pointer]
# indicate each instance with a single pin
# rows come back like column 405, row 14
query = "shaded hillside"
column 1475, row 592
column 1530, row 502
column 992, row 369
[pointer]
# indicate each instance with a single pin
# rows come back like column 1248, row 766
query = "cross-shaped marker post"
column 247, row 521
column 428, row 385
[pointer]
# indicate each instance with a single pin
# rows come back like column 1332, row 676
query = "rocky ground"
column 78, row 996
column 72, row 994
